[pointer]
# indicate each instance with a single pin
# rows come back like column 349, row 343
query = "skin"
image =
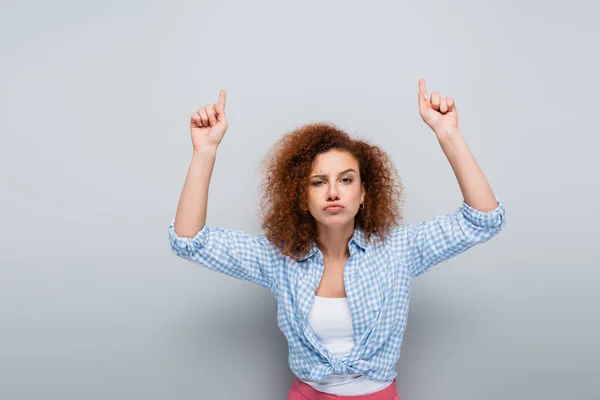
column 330, row 182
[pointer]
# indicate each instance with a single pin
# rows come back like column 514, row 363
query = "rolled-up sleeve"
column 423, row 245
column 231, row 252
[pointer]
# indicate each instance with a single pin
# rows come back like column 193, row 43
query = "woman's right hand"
column 208, row 125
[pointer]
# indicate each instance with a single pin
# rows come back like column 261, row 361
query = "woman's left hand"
column 439, row 113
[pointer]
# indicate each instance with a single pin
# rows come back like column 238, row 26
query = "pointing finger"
column 422, row 87
column 222, row 98
column 423, row 100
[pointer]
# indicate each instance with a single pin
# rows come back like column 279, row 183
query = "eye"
column 317, row 183
column 348, row 180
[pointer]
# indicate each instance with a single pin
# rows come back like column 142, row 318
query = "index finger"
column 222, row 97
column 422, row 87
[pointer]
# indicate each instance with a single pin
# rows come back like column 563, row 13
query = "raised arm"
column 208, row 126
column 234, row 253
column 482, row 214
column 440, row 114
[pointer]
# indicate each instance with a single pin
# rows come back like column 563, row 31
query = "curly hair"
column 287, row 166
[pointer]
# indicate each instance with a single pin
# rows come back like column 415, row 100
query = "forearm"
column 191, row 210
column 475, row 188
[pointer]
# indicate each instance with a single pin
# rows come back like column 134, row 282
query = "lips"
column 334, row 208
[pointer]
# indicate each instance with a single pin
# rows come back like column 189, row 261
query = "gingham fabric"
column 377, row 279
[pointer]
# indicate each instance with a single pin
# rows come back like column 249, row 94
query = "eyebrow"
column 341, row 173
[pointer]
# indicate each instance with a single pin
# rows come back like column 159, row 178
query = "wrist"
column 446, row 134
column 205, row 151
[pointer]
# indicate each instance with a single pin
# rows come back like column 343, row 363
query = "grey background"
column 95, row 105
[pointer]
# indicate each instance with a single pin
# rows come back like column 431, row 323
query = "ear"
column 362, row 193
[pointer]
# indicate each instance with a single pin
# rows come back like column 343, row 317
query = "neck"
column 333, row 242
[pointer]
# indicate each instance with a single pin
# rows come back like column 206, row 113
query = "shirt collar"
column 359, row 238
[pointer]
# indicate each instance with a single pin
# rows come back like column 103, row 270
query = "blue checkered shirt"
column 377, row 279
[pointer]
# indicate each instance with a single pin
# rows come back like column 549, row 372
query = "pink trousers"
column 303, row 391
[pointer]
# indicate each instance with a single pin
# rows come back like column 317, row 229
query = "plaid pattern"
column 377, row 279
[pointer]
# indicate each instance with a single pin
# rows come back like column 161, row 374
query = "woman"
column 334, row 254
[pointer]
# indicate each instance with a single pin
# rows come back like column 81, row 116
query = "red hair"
column 284, row 210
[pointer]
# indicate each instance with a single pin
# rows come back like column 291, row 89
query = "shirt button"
column 299, row 314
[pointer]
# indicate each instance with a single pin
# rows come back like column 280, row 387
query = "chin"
column 335, row 221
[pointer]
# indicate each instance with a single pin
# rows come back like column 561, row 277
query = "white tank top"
column 330, row 320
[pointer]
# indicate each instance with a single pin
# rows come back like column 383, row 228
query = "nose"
column 332, row 193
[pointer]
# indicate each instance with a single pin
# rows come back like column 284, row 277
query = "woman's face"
column 335, row 190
